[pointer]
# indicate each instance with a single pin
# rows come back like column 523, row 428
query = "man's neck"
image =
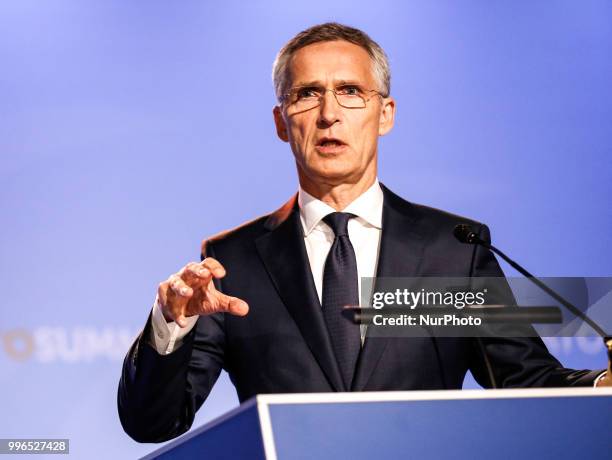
column 338, row 196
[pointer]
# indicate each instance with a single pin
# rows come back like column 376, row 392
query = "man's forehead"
column 330, row 62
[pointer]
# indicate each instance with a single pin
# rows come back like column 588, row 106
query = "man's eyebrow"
column 308, row 83
column 347, row 82
column 317, row 83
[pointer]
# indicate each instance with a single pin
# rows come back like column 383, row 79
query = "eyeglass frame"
column 284, row 97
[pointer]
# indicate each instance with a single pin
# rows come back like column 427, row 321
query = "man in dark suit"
column 264, row 304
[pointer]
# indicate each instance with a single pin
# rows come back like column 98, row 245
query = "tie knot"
column 338, row 221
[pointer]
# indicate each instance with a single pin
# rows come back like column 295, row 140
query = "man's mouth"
column 330, row 145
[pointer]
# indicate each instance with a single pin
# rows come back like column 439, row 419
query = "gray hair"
column 328, row 32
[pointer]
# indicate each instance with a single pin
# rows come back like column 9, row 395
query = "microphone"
column 465, row 234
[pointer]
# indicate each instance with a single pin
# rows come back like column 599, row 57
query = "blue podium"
column 464, row 424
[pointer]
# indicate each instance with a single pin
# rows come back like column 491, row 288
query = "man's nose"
column 329, row 109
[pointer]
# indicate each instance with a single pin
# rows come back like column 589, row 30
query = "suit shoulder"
column 443, row 222
column 437, row 219
column 445, row 217
column 247, row 232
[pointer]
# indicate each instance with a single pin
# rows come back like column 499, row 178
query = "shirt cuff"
column 599, row 377
column 168, row 336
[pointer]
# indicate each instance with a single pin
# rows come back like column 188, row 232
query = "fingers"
column 180, row 287
column 214, row 266
column 181, row 320
column 191, row 292
column 195, row 275
column 174, row 295
column 200, row 274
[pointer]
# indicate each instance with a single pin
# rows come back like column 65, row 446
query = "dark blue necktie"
column 340, row 288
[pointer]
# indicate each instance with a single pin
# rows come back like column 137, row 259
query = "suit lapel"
column 284, row 256
column 401, row 251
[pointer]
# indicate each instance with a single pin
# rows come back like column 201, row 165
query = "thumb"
column 232, row 305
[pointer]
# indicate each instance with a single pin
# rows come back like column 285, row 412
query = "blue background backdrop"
column 131, row 130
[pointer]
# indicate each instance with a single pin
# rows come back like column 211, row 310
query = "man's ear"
column 387, row 116
column 281, row 126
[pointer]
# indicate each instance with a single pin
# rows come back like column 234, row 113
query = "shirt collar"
column 367, row 207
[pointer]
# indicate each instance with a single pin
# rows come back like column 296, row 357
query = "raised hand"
column 191, row 291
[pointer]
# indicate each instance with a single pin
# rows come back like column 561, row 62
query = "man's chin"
column 335, row 177
column 331, row 172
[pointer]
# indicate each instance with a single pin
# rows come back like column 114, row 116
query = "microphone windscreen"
column 464, row 233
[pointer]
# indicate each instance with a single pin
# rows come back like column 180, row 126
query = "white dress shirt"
column 364, row 232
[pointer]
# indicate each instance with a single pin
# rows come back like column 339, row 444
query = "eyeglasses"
column 302, row 98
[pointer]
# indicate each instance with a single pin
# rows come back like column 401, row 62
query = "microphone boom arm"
column 465, row 234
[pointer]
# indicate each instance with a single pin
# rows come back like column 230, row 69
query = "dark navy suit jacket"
column 282, row 345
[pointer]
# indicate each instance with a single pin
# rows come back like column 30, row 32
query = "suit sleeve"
column 159, row 395
column 516, row 361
